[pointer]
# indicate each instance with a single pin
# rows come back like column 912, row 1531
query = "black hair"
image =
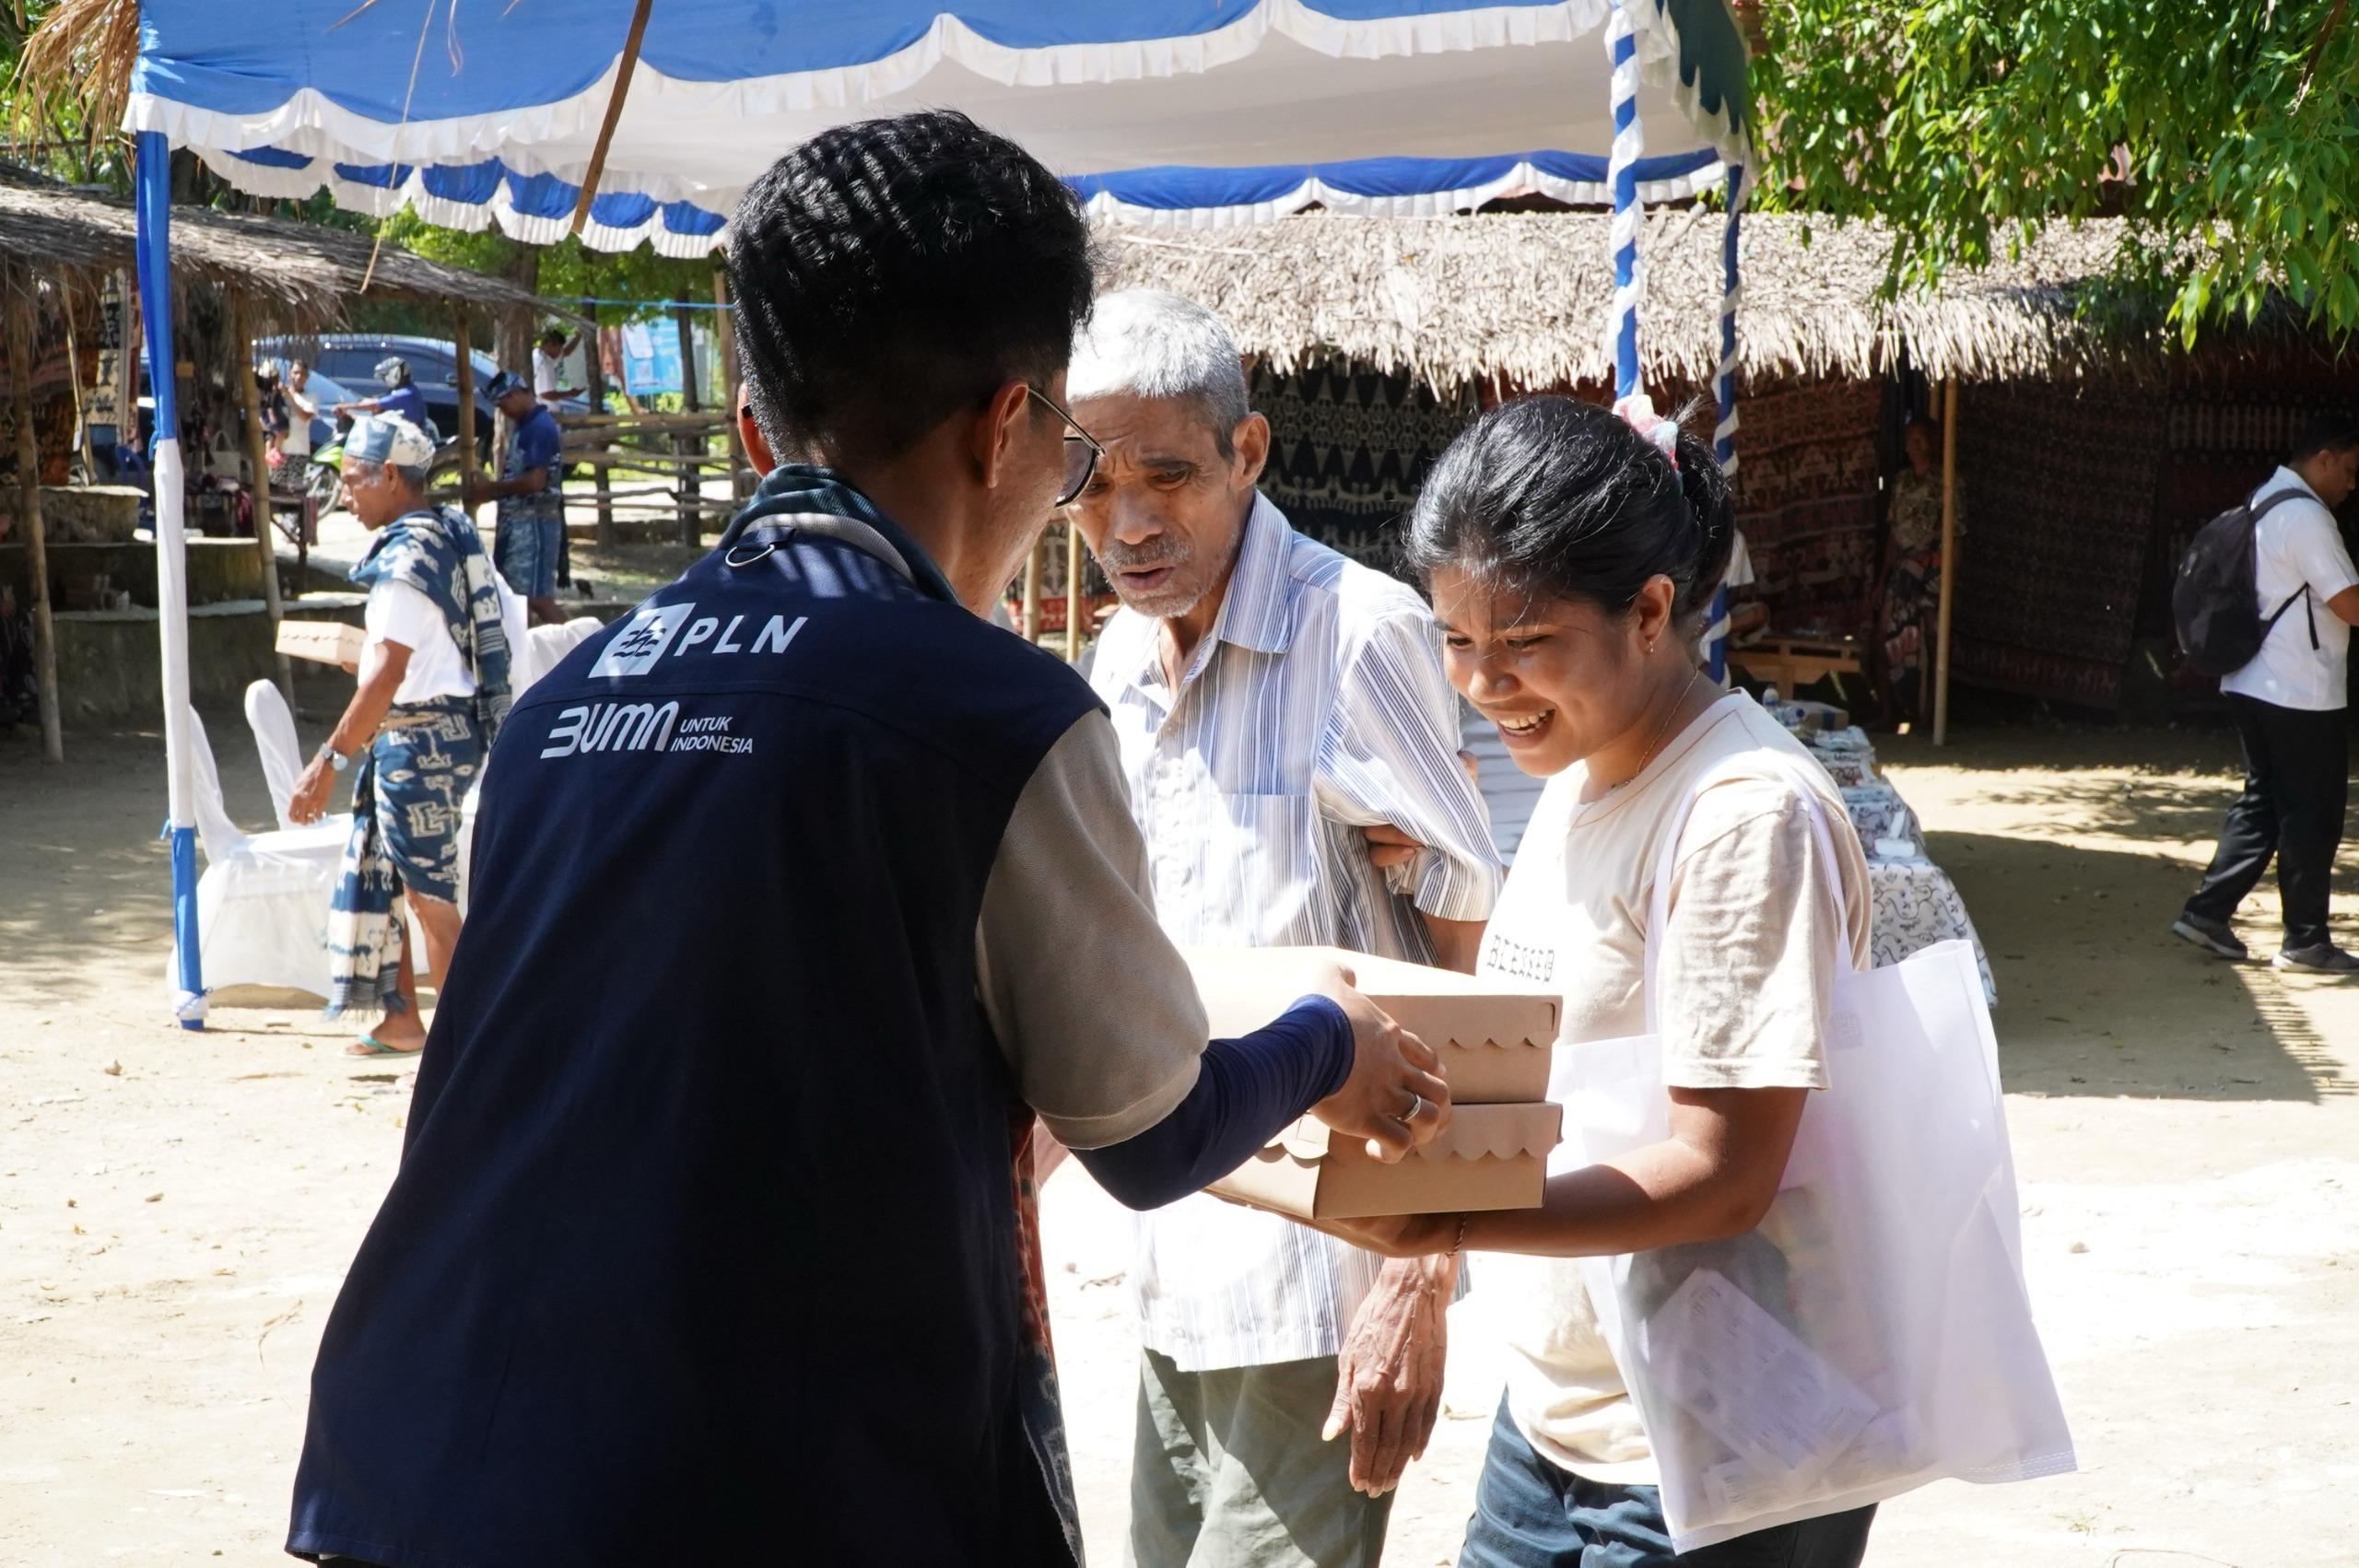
column 1555, row 497
column 2337, row 430
column 891, row 273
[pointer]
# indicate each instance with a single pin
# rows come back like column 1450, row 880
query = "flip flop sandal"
column 368, row 1045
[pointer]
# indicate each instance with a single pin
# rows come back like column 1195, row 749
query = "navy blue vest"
column 705, row 1246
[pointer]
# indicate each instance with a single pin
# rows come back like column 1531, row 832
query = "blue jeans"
column 1530, row 1514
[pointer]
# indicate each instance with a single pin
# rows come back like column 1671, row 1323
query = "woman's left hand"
column 1396, row 1235
column 308, row 801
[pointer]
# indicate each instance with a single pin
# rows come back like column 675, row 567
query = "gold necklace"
column 1661, row 729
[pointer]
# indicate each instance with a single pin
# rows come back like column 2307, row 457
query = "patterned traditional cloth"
column 1806, row 499
column 2064, row 480
column 407, row 793
column 1349, row 448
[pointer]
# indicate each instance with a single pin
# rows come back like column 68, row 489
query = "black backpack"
column 2215, row 603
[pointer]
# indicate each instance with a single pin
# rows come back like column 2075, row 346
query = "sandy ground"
column 176, row 1208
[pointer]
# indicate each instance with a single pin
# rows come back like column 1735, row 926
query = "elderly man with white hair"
column 1290, row 744
column 434, row 687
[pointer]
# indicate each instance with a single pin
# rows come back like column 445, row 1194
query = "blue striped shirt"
column 1315, row 706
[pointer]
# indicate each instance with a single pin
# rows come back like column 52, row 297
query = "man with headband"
column 434, row 686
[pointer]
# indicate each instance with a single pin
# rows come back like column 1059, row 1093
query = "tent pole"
column 19, row 288
column 1622, row 179
column 152, row 188
column 1073, row 591
column 1732, row 295
column 242, row 332
column 624, row 66
column 1949, row 561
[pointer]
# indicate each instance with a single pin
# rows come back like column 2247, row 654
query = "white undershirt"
column 398, row 613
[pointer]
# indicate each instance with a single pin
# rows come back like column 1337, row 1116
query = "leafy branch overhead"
column 2226, row 130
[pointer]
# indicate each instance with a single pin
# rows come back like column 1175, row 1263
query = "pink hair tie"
column 1638, row 411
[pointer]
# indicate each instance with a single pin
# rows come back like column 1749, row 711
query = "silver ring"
column 1416, row 1104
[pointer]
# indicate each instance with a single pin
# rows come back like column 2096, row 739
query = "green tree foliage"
column 2226, row 130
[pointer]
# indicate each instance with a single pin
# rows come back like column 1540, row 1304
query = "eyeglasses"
column 1082, row 451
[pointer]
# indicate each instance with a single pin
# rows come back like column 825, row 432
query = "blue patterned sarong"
column 413, row 779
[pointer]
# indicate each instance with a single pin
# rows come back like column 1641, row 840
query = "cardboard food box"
column 329, row 642
column 1494, row 1037
column 1488, row 1157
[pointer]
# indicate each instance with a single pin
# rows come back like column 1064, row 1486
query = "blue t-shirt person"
column 406, row 402
column 535, row 445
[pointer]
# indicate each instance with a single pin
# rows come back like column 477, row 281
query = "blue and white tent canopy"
column 1171, row 112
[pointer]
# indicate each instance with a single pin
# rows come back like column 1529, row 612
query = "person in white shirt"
column 2289, row 707
column 1571, row 557
column 1291, row 749
column 435, row 684
column 548, row 366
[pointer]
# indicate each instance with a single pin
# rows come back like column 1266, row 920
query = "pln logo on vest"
column 653, row 631
column 643, row 641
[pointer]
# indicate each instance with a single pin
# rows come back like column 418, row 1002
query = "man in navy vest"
column 796, row 895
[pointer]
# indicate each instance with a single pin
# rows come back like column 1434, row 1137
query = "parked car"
column 351, row 359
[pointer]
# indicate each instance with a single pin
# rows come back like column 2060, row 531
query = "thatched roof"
column 1527, row 296
column 299, row 275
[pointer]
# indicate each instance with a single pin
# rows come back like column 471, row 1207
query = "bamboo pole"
column 724, row 333
column 1949, row 561
column 19, row 290
column 691, row 489
column 73, row 377
column 242, row 328
column 1032, row 568
column 462, row 340
column 623, row 69
column 594, row 383
column 1072, row 592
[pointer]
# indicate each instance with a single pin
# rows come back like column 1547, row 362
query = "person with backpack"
column 2266, row 599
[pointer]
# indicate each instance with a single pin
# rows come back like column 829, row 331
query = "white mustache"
column 1123, row 558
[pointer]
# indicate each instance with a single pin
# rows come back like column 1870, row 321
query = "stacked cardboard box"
column 1494, row 1037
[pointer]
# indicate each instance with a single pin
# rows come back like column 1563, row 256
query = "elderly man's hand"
column 1389, row 1378
column 306, row 803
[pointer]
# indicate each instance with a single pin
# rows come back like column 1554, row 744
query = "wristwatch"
column 332, row 757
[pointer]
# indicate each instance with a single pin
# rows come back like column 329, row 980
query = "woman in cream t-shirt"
column 1570, row 558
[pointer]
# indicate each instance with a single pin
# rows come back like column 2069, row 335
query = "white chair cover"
column 262, row 905
column 282, row 755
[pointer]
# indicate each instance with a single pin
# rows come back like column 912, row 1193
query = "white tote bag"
column 1873, row 1333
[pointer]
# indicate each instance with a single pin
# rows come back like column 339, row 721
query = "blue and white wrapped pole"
column 1731, row 296
column 1622, row 182
column 153, row 201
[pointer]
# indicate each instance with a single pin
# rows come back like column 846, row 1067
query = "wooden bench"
column 1791, row 663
